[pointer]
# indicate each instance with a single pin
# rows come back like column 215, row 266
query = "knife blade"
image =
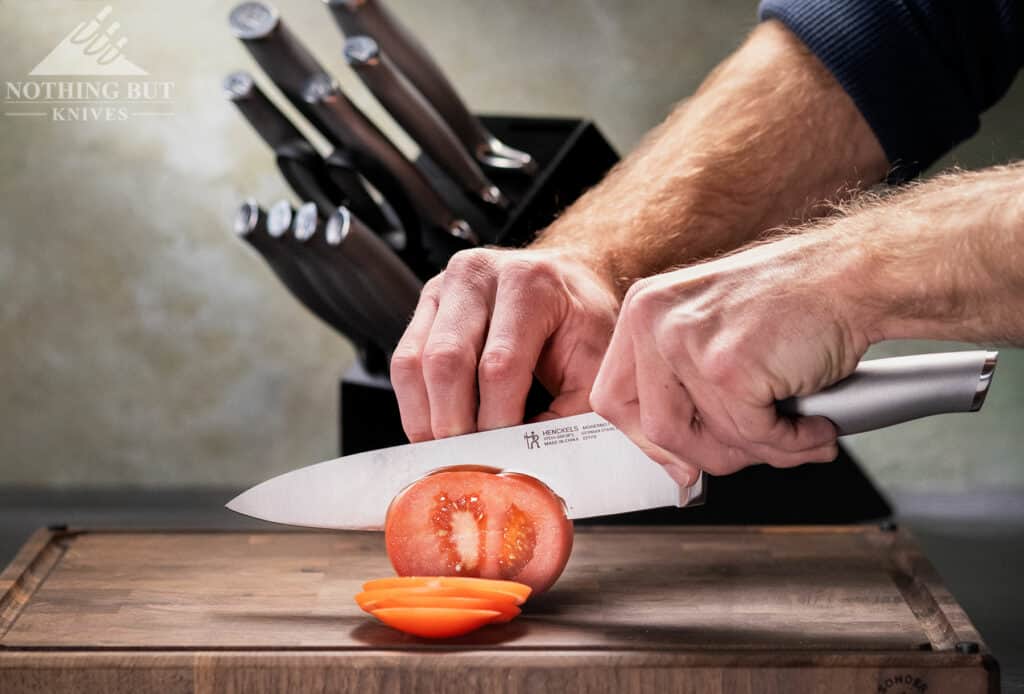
column 372, row 18
column 418, row 118
column 328, row 182
column 595, row 468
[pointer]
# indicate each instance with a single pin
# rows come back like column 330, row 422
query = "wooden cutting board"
column 751, row 610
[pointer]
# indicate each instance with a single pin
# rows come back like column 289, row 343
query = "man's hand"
column 485, row 325
column 743, row 154
column 701, row 355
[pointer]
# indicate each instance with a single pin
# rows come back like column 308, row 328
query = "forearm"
column 941, row 260
column 766, row 139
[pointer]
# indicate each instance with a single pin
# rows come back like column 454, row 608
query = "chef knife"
column 377, row 278
column 418, row 118
column 372, row 18
column 595, row 468
column 318, row 97
column 328, row 182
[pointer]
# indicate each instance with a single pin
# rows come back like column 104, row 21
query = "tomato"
column 506, row 608
column 454, row 585
column 435, row 622
column 479, row 524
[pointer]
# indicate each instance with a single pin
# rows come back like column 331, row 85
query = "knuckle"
column 718, row 366
column 498, row 365
column 444, row 359
column 433, row 286
column 405, row 362
column 661, row 432
column 470, row 264
column 532, row 271
column 642, row 302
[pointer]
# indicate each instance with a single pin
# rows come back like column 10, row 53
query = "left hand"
column 700, row 356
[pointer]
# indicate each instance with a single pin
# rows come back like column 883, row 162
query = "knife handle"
column 883, row 392
column 266, row 119
column 417, row 117
column 250, row 225
column 372, row 18
column 388, row 169
column 286, row 61
column 389, row 285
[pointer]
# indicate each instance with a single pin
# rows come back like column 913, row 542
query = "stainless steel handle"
column 415, row 114
column 883, row 392
column 372, row 18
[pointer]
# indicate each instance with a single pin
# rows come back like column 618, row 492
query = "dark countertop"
column 976, row 541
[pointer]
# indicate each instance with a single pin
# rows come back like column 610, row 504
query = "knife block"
column 572, row 156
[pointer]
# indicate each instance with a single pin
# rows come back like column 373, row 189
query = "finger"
column 615, row 383
column 573, row 378
column 670, row 419
column 615, row 397
column 762, row 423
column 525, row 315
column 407, row 367
column 721, row 418
column 453, row 348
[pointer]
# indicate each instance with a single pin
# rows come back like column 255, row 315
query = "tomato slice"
column 472, row 523
column 506, row 609
column 460, row 584
column 426, row 592
column 435, row 622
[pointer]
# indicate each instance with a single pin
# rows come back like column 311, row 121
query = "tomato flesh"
column 506, row 609
column 450, row 585
column 435, row 622
column 472, row 523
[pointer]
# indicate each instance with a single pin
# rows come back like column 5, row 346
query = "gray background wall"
column 140, row 344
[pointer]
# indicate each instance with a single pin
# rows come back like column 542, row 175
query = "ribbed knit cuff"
column 882, row 56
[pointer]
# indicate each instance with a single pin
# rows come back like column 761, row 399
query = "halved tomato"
column 435, row 622
column 506, row 609
column 461, row 585
column 479, row 524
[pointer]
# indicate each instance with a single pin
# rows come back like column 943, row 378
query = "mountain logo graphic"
column 92, row 48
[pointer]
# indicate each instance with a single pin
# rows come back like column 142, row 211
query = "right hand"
column 486, row 325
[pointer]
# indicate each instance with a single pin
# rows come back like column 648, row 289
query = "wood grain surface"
column 845, row 609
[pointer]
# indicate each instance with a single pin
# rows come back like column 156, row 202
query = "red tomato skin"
column 522, row 531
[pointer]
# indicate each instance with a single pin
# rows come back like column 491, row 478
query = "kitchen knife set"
column 356, row 252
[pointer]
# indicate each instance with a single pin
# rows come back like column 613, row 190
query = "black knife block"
column 572, row 156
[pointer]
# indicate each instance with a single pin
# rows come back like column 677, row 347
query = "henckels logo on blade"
column 94, row 48
column 532, row 440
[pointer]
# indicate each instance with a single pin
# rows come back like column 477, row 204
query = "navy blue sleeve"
column 920, row 71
